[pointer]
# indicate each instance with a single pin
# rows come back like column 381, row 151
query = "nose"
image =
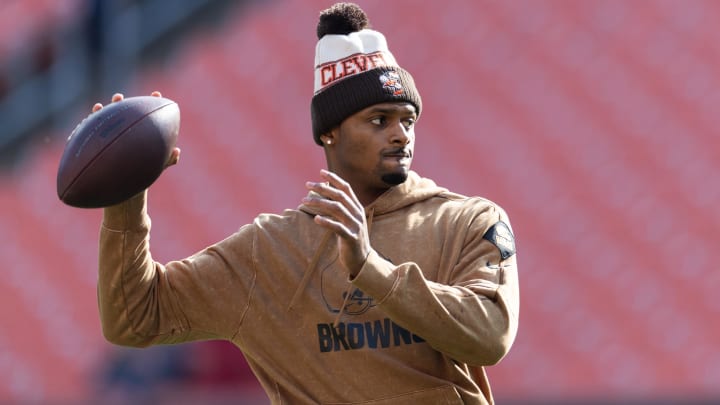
column 401, row 135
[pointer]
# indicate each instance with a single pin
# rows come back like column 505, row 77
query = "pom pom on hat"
column 341, row 19
column 354, row 69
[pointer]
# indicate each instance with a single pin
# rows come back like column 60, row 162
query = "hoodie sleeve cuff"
column 128, row 215
column 377, row 277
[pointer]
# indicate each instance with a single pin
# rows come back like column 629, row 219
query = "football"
column 117, row 151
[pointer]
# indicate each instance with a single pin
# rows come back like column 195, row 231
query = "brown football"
column 117, row 151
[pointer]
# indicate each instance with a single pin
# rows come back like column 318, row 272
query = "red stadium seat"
column 594, row 124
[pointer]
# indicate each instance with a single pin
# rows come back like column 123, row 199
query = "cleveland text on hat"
column 358, row 63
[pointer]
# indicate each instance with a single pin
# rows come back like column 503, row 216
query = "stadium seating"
column 594, row 124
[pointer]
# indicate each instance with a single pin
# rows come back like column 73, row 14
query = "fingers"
column 337, row 207
column 332, row 204
column 330, row 193
column 337, row 227
column 336, row 189
column 340, row 184
column 339, row 211
column 115, row 98
column 174, row 157
column 119, row 97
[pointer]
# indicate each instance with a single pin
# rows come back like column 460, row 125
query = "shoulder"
column 484, row 217
column 291, row 225
column 488, row 220
column 477, row 207
column 289, row 218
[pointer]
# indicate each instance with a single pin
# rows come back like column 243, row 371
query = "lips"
column 398, row 154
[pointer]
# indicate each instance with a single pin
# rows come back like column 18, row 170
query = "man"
column 380, row 288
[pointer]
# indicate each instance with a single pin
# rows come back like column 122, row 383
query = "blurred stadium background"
column 594, row 123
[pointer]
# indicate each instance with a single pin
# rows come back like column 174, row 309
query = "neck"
column 368, row 196
column 365, row 193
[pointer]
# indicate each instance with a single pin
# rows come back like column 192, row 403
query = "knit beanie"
column 354, row 69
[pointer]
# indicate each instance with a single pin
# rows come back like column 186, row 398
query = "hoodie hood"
column 413, row 190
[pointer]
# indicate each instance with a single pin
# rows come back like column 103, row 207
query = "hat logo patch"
column 391, row 82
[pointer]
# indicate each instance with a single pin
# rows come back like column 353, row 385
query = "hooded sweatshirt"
column 436, row 300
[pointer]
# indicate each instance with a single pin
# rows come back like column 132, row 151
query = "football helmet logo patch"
column 391, row 83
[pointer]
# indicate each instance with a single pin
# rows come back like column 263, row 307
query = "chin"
column 395, row 179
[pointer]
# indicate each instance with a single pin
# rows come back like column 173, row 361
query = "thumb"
column 174, row 157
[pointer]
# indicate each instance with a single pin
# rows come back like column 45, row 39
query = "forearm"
column 474, row 322
column 130, row 297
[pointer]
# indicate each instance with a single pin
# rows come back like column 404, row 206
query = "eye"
column 379, row 121
column 408, row 123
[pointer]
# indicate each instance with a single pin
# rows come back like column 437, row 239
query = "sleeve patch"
column 501, row 236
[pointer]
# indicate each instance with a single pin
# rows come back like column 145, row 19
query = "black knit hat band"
column 332, row 105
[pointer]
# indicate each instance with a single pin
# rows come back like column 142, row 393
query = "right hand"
column 174, row 155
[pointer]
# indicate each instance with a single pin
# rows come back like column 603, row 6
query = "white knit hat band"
column 341, row 56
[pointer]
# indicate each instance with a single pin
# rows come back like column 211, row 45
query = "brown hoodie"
column 436, row 300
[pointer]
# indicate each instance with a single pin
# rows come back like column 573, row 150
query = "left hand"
column 341, row 212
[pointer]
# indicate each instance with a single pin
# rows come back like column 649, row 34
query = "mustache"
column 405, row 152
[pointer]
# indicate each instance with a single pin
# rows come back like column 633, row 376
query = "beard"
column 394, row 179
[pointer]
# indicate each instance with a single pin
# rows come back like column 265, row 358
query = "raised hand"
column 340, row 211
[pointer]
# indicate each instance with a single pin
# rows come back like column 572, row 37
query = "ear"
column 328, row 138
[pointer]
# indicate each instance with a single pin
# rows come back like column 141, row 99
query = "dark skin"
column 369, row 152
